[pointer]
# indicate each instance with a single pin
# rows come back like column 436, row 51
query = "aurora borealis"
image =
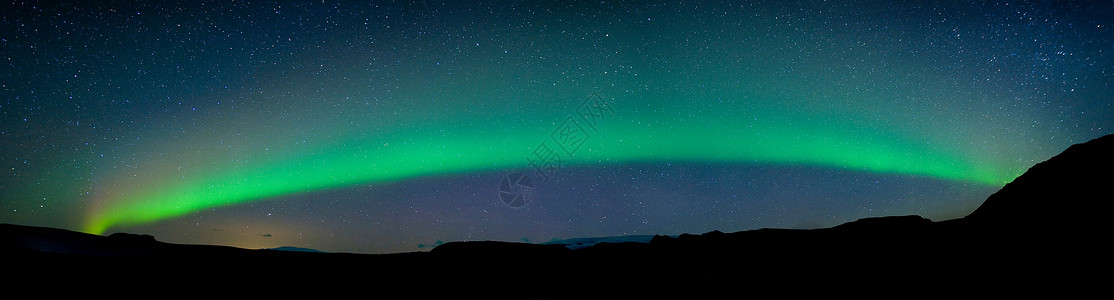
column 382, row 126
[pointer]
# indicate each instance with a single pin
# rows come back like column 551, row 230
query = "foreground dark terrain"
column 1045, row 231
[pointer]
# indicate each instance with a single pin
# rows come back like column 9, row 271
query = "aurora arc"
column 762, row 137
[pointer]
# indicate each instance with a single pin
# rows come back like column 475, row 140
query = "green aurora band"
column 452, row 146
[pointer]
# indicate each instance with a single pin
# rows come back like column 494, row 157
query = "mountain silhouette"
column 1067, row 192
column 1046, row 230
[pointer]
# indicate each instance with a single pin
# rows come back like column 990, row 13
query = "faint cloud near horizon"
column 434, row 244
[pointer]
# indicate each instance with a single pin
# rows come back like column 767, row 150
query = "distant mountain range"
column 295, row 249
column 1047, row 230
column 580, row 243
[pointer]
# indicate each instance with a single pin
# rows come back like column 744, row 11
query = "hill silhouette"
column 1067, row 191
column 1042, row 231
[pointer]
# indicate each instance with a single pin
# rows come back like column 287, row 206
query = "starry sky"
column 394, row 126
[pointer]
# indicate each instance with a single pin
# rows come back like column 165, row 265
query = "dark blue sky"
column 383, row 126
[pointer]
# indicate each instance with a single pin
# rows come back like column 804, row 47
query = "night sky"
column 381, row 127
